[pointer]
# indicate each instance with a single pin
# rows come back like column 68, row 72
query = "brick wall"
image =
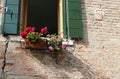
column 101, row 46
column 101, row 22
column 101, row 25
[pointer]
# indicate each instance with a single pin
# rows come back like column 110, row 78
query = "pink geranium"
column 48, row 36
column 24, row 34
column 61, row 39
column 30, row 29
column 69, row 38
column 51, row 48
column 53, row 39
column 63, row 46
column 43, row 30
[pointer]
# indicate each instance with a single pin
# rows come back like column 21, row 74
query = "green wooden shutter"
column 11, row 17
column 72, row 19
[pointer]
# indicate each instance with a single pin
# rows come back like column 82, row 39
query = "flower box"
column 33, row 39
column 37, row 40
column 40, row 43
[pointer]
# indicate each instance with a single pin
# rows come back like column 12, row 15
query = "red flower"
column 43, row 30
column 30, row 29
column 24, row 34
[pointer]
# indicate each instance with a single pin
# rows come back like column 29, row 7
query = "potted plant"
column 53, row 42
column 32, row 38
column 55, row 46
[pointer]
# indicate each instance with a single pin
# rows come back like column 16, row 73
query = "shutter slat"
column 75, row 32
column 74, row 15
column 8, row 18
column 74, row 5
column 13, row 2
column 10, row 28
column 75, row 24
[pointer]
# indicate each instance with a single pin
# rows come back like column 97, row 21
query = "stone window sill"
column 15, row 38
column 19, row 39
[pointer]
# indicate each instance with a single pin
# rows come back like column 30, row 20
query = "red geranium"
column 30, row 29
column 43, row 30
column 24, row 34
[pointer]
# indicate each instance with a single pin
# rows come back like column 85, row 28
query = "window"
column 49, row 15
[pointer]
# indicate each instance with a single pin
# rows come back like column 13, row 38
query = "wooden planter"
column 40, row 43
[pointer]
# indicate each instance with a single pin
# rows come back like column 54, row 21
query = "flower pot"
column 26, row 43
column 37, row 44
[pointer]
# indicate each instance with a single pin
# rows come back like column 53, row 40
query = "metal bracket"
column 6, row 9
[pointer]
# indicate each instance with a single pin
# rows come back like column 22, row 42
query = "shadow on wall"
column 84, row 20
column 71, row 67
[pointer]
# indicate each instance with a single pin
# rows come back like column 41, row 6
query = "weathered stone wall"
column 101, row 25
column 98, row 31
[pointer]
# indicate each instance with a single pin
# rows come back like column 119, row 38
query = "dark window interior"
column 43, row 13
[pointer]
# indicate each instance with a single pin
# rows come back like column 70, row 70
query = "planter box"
column 36, row 45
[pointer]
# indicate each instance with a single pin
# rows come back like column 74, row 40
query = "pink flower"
column 69, row 38
column 61, row 39
column 43, row 30
column 51, row 48
column 63, row 46
column 48, row 36
column 24, row 34
column 30, row 29
column 53, row 39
